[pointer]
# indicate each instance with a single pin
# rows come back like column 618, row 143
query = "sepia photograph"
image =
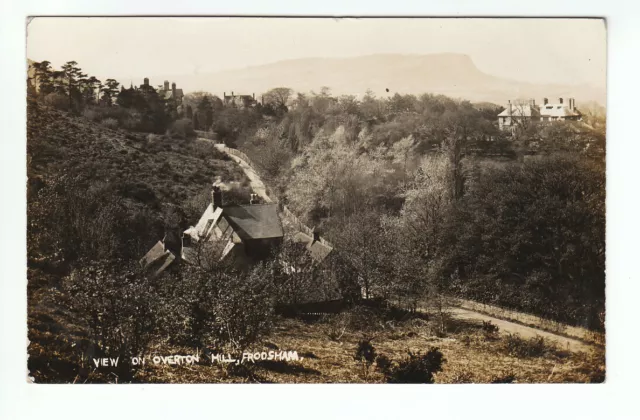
column 316, row 200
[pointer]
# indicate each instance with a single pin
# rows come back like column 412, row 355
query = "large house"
column 239, row 101
column 520, row 113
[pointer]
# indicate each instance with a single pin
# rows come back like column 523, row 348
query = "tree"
column 74, row 78
column 43, row 77
column 205, row 110
column 110, row 91
column 278, row 98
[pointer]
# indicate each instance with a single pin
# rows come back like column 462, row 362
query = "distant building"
column 171, row 94
column 239, row 101
column 523, row 112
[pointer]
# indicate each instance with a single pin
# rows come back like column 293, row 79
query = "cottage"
column 242, row 234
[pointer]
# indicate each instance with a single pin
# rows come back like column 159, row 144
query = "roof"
column 318, row 250
column 157, row 259
column 256, row 221
column 558, row 110
column 168, row 94
column 520, row 110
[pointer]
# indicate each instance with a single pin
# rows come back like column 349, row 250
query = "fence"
column 302, row 227
column 206, row 134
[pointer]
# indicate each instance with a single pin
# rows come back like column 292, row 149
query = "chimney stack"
column 510, row 107
column 146, row 81
column 166, row 85
column 232, row 94
column 532, row 102
column 173, row 89
column 316, row 234
column 216, row 197
column 560, row 99
column 545, row 100
column 254, row 96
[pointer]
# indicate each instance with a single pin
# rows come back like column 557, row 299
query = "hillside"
column 100, row 194
column 449, row 74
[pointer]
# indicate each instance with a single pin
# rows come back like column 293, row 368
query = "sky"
column 564, row 51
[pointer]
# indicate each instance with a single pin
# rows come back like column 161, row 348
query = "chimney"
column 510, row 108
column 216, row 197
column 173, row 89
column 232, row 94
column 546, row 101
column 146, row 81
column 560, row 100
column 532, row 102
column 166, row 85
column 254, row 96
column 572, row 103
column 316, row 235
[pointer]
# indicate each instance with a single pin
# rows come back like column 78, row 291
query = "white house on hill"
column 522, row 112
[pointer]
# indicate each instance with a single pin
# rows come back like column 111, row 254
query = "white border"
column 612, row 400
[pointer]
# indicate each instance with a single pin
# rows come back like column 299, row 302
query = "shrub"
column 417, row 368
column 57, row 100
column 90, row 114
column 182, row 129
column 537, row 346
column 111, row 123
column 383, row 364
column 366, row 354
column 490, row 330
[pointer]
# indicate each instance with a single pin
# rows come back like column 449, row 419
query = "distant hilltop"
column 449, row 74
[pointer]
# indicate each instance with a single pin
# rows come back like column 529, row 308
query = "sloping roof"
column 558, row 110
column 168, row 94
column 157, row 259
column 520, row 110
column 256, row 221
column 318, row 250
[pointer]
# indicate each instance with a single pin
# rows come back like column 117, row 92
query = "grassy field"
column 471, row 356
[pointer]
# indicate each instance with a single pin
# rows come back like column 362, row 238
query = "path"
column 562, row 342
column 255, row 182
column 505, row 326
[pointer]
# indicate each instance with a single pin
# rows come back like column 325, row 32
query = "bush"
column 417, row 368
column 111, row 123
column 490, row 330
column 91, row 115
column 57, row 100
column 366, row 354
column 516, row 346
column 182, row 129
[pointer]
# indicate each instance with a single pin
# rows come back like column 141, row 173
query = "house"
column 241, row 234
column 239, row 101
column 521, row 113
column 172, row 94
